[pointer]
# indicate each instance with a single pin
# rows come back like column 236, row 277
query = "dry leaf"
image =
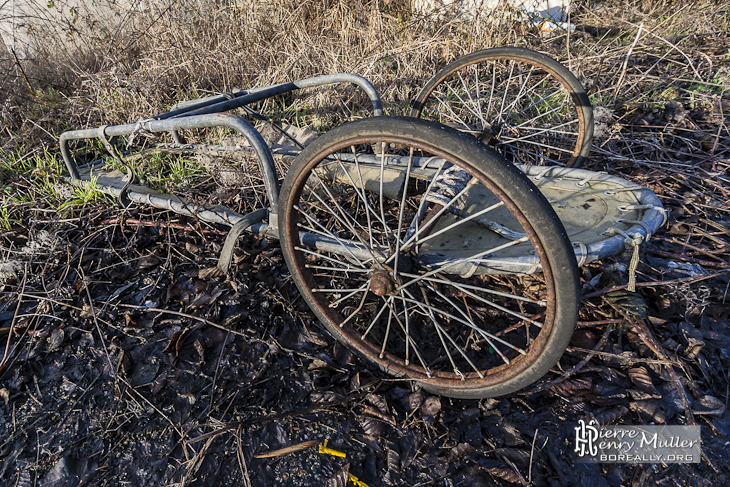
column 629, row 302
column 205, row 299
column 506, row 473
column 415, row 399
column 514, row 455
column 148, row 262
column 393, row 461
column 640, row 377
column 379, row 414
column 709, row 406
column 55, row 339
column 650, row 408
column 370, row 426
column 431, row 406
column 210, row 273
column 610, row 416
column 340, row 478
column 377, row 401
column 173, row 347
column 572, row 387
column 498, row 470
column 693, row 348
column 194, row 249
column 609, row 390
column 5, row 395
column 200, row 348
column 459, row 451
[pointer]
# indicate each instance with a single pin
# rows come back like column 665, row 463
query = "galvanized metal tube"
column 189, row 105
column 266, row 161
column 258, row 94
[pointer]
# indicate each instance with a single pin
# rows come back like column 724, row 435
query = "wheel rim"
column 523, row 108
column 385, row 297
column 392, row 300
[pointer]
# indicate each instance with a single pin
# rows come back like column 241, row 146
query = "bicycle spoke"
column 325, row 257
column 459, row 222
column 482, row 332
column 479, row 288
column 336, row 269
column 466, row 259
column 331, row 235
column 439, row 213
column 512, row 97
column 346, row 217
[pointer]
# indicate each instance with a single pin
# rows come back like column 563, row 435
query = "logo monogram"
column 585, row 437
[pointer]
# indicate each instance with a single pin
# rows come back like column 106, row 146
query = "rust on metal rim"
column 393, row 364
column 419, row 102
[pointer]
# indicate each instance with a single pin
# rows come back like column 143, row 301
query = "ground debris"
column 128, row 358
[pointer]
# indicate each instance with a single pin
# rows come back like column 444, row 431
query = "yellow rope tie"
column 630, row 241
column 632, row 269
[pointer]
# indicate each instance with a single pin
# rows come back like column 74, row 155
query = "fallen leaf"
column 571, row 387
column 210, row 273
column 370, row 426
column 708, row 406
column 431, row 406
column 340, row 478
column 55, row 339
column 148, row 262
column 610, row 416
column 393, row 461
column 651, row 408
column 460, row 450
column 514, row 455
column 372, row 411
column 640, row 377
column 499, row 470
column 415, row 399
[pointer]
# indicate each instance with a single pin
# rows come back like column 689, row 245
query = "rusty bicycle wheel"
column 429, row 255
column 528, row 106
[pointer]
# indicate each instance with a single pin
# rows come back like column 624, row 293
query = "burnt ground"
column 128, row 362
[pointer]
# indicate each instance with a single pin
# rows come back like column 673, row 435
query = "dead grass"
column 167, row 54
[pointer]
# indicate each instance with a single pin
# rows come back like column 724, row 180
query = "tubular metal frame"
column 207, row 113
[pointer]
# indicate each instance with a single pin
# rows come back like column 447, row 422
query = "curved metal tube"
column 266, row 161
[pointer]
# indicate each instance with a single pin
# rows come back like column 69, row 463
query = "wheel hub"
column 381, row 283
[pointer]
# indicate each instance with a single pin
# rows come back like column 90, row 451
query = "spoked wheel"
column 429, row 255
column 525, row 104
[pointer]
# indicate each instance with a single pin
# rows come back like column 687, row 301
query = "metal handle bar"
column 239, row 98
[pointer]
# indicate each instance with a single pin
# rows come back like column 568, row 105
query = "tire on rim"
column 429, row 255
column 525, row 104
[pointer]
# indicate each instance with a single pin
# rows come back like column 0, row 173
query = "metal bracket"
column 224, row 261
